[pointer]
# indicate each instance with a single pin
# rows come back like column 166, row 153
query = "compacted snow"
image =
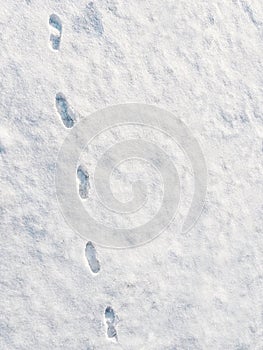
column 62, row 61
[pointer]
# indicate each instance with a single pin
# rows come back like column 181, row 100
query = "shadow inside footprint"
column 55, row 22
column 67, row 115
column 111, row 331
column 111, row 321
column 84, row 185
column 109, row 315
column 91, row 256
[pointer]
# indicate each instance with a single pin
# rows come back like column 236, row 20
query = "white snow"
column 201, row 60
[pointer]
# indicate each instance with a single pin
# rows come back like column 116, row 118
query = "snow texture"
column 201, row 60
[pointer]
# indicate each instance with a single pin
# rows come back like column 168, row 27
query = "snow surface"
column 201, row 60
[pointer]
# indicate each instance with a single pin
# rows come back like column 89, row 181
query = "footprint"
column 55, row 23
column 91, row 256
column 66, row 112
column 111, row 320
column 111, row 332
column 84, row 185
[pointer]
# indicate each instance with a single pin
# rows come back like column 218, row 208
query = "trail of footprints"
column 69, row 118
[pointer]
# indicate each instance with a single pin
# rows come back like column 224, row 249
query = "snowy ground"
column 201, row 60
